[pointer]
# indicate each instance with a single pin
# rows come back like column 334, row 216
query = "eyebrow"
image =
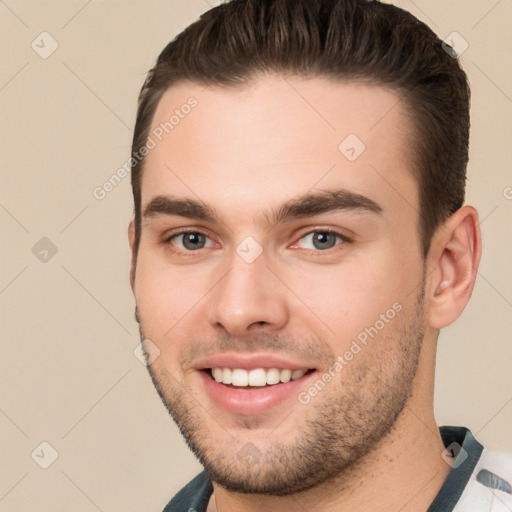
column 171, row 205
column 307, row 205
column 325, row 201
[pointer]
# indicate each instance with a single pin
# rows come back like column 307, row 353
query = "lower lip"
column 251, row 400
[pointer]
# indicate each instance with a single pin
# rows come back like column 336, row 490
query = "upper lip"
column 251, row 361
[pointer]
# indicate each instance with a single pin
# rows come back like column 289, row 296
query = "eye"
column 189, row 240
column 322, row 240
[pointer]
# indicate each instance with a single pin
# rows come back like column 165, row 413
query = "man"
column 299, row 240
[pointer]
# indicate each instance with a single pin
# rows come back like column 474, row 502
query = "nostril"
column 261, row 322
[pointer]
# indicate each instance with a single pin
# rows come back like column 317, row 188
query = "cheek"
column 165, row 296
column 344, row 300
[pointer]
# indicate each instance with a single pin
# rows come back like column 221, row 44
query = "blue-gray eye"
column 191, row 241
column 322, row 240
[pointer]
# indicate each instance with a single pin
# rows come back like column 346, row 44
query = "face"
column 279, row 275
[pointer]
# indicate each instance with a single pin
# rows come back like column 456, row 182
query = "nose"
column 249, row 298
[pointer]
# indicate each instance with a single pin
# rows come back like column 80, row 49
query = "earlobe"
column 453, row 260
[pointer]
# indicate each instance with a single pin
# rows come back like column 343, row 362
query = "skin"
column 245, row 151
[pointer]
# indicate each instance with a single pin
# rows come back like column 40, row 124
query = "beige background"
column 68, row 373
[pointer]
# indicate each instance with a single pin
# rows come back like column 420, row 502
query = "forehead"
column 278, row 137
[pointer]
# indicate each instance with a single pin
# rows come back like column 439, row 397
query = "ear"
column 453, row 261
column 131, row 240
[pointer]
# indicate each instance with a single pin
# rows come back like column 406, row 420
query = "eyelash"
column 318, row 252
column 187, row 254
column 314, row 252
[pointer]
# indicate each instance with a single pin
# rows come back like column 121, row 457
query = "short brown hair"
column 360, row 40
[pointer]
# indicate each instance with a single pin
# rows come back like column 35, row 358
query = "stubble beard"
column 334, row 432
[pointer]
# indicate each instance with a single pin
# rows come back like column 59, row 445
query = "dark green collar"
column 462, row 468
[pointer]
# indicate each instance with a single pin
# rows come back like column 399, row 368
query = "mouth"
column 256, row 388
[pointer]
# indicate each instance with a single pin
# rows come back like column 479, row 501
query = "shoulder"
column 490, row 486
column 193, row 497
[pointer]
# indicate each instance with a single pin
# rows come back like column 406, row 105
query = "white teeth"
column 297, row 374
column 256, row 377
column 286, row 376
column 273, row 376
column 227, row 376
column 240, row 377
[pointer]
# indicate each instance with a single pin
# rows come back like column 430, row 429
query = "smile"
column 253, row 391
